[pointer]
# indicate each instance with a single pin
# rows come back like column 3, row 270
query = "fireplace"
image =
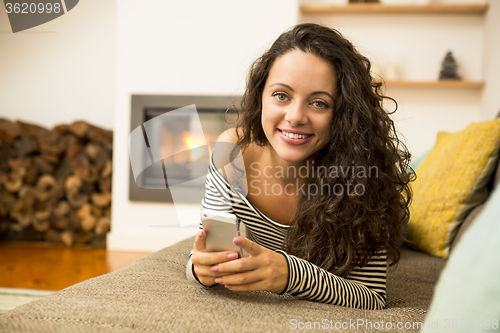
column 170, row 144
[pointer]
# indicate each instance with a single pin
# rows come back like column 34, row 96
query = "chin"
column 292, row 157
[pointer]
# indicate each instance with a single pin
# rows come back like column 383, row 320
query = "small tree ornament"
column 449, row 68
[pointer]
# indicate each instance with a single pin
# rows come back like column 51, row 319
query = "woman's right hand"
column 203, row 260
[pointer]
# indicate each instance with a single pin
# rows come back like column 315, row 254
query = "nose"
column 296, row 114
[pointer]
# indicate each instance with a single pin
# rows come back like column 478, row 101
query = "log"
column 28, row 129
column 98, row 155
column 103, row 226
column 81, row 166
column 77, row 200
column 13, row 185
column 42, row 215
column 45, row 187
column 72, row 185
column 41, row 225
column 17, row 163
column 43, row 166
column 27, row 196
column 61, row 128
column 25, row 146
column 105, row 184
column 87, row 220
column 101, row 136
column 3, row 178
column 78, row 128
column 23, row 215
column 101, row 199
column 6, row 153
column 93, row 175
column 64, row 170
column 7, row 202
column 96, row 211
column 52, row 159
column 107, row 169
column 58, row 222
column 62, row 209
column 8, row 131
column 68, row 238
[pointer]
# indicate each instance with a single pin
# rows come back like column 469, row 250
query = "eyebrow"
column 291, row 89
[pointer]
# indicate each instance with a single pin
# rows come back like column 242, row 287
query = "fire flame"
column 195, row 145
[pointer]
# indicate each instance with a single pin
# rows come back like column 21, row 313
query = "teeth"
column 295, row 136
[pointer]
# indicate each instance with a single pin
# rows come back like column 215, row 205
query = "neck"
column 291, row 170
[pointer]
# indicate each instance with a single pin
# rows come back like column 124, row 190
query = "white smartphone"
column 221, row 228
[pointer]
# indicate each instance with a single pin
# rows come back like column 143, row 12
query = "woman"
column 323, row 234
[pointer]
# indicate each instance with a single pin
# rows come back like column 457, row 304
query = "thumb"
column 200, row 242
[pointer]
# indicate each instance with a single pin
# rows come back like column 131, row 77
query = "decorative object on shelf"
column 449, row 68
column 392, row 72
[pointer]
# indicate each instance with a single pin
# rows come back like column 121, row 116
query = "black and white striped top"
column 364, row 288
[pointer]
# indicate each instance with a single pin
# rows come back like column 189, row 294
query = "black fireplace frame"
column 139, row 103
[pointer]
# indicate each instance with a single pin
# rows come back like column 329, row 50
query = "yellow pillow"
column 450, row 182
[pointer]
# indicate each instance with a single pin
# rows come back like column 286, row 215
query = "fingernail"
column 237, row 241
column 218, row 280
column 200, row 233
column 228, row 286
column 232, row 256
column 214, row 268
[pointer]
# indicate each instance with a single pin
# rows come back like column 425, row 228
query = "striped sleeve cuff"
column 191, row 275
column 310, row 282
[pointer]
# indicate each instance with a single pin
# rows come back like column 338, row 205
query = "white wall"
column 60, row 71
column 491, row 69
column 180, row 47
column 418, row 44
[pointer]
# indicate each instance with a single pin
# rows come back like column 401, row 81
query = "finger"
column 240, row 279
column 200, row 243
column 205, row 271
column 236, row 266
column 252, row 248
column 213, row 258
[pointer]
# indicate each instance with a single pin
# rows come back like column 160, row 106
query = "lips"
column 299, row 141
column 293, row 134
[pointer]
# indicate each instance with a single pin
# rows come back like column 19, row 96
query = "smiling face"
column 297, row 105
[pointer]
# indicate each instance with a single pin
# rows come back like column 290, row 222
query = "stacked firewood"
column 55, row 185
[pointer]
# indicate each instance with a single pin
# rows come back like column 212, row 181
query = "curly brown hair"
column 340, row 232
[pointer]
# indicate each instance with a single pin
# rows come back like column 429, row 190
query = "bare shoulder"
column 225, row 148
column 229, row 135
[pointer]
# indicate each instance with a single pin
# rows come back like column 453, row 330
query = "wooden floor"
column 49, row 267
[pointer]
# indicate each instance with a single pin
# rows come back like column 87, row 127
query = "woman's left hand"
column 264, row 269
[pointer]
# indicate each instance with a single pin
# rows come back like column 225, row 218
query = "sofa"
column 153, row 294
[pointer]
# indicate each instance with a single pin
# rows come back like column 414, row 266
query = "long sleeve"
column 364, row 288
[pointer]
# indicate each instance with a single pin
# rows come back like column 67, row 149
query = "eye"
column 320, row 104
column 280, row 96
